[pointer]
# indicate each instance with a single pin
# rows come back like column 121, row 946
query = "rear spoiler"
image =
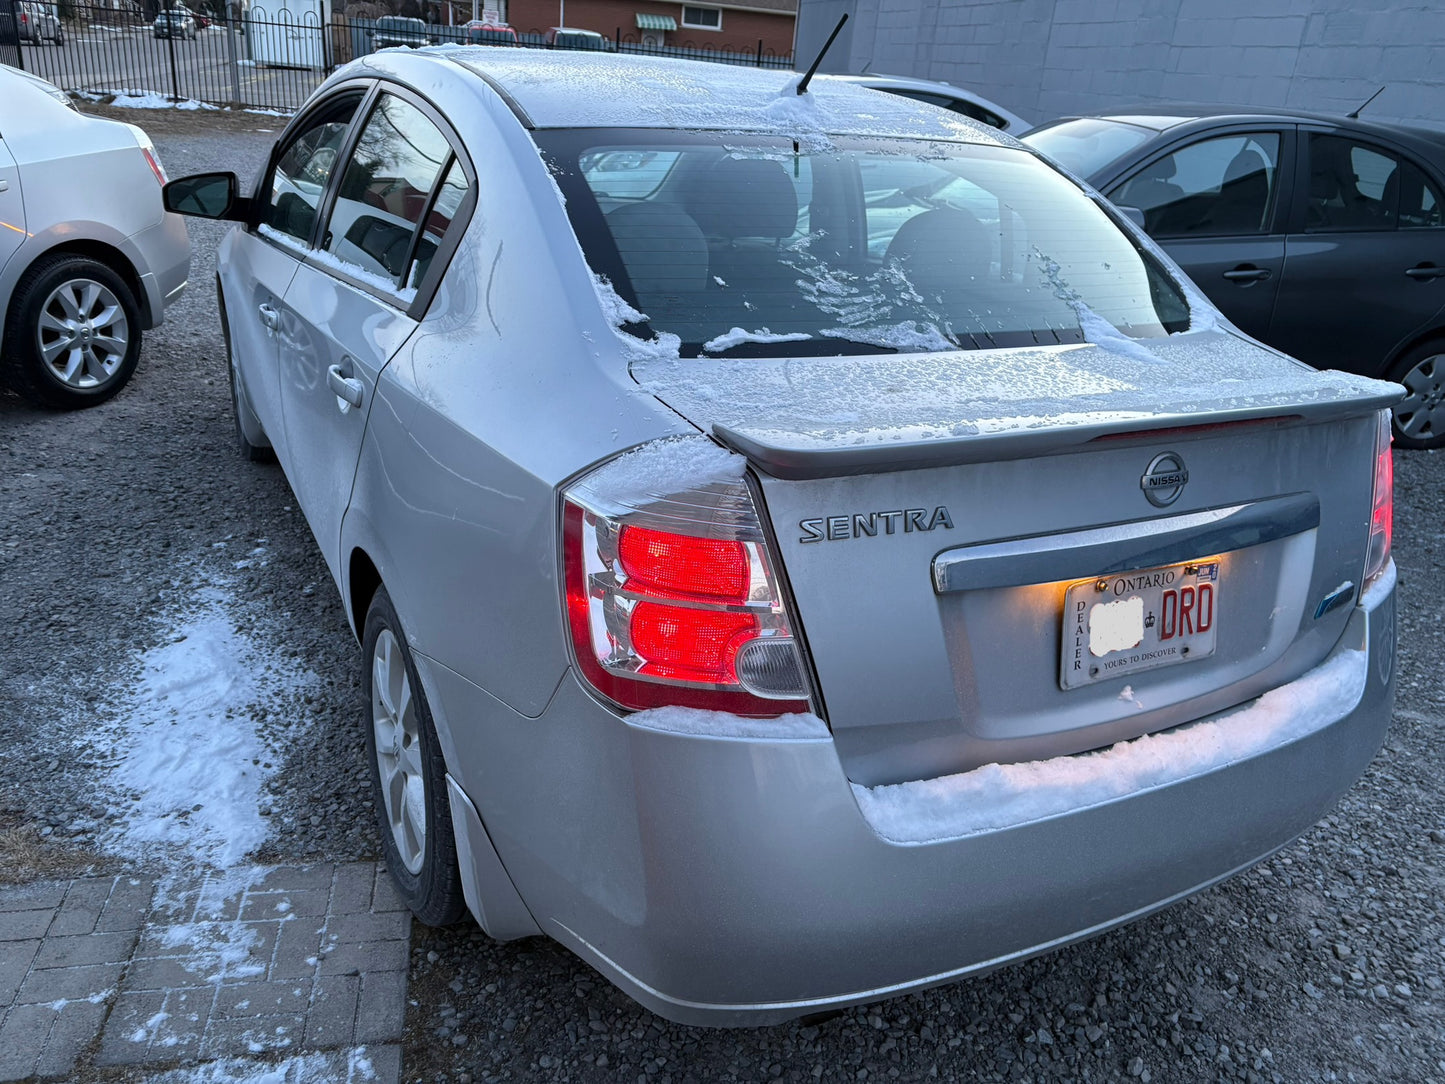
column 793, row 456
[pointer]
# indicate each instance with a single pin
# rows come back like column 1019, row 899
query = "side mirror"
column 1133, row 214
column 206, row 195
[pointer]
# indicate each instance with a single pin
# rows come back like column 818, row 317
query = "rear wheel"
column 72, row 337
column 408, row 774
column 1419, row 418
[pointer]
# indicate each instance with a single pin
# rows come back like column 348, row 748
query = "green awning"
column 655, row 22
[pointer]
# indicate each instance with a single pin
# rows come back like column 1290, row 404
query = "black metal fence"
column 264, row 59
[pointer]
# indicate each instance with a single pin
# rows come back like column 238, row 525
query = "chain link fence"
column 265, row 59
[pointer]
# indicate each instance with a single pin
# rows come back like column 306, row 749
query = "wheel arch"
column 100, row 252
column 1434, row 334
column 362, row 580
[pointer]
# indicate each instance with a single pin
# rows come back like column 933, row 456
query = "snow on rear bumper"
column 737, row 881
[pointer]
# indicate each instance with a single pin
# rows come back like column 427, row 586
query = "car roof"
column 1163, row 118
column 549, row 89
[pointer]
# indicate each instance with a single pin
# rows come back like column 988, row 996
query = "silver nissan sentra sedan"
column 804, row 547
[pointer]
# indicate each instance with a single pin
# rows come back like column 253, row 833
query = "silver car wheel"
column 1422, row 412
column 82, row 333
column 398, row 750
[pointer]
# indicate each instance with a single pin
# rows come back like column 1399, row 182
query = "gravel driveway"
column 1323, row 963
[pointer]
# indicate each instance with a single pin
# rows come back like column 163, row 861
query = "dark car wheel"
column 73, row 335
column 1420, row 416
column 408, row 774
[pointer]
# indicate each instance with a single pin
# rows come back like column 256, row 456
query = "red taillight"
column 661, row 562
column 155, row 164
column 1382, row 514
column 691, row 616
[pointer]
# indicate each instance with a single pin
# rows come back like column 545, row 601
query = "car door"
column 261, row 261
column 12, row 206
column 1214, row 204
column 352, row 299
column 1364, row 267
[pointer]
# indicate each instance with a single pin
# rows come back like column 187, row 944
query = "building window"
column 702, row 18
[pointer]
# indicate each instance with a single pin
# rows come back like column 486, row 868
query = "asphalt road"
column 1322, row 964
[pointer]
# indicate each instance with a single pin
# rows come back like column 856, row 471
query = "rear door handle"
column 1425, row 271
column 269, row 316
column 343, row 386
column 1247, row 273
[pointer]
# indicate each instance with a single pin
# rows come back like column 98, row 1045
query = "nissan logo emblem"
column 1164, row 479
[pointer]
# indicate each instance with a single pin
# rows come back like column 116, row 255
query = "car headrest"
column 1246, row 163
column 743, row 197
column 662, row 248
column 941, row 250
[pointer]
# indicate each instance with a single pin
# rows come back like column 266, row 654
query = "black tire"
column 433, row 890
column 253, row 447
column 1419, row 421
column 24, row 367
column 60, row 35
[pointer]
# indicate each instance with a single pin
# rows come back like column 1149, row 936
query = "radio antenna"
column 1348, row 116
column 803, row 83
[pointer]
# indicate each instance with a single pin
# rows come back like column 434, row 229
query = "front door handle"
column 1425, row 271
column 269, row 316
column 1247, row 272
column 342, row 386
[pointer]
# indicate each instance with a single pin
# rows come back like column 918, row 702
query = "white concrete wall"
column 1043, row 58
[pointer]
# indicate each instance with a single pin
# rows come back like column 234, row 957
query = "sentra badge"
column 872, row 524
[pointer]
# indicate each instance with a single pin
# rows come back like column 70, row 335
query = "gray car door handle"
column 1247, row 274
column 269, row 316
column 1425, row 271
column 344, row 387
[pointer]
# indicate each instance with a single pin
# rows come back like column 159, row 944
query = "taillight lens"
column 673, row 598
column 155, row 164
column 1382, row 515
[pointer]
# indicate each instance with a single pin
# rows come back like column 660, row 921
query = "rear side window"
column 1217, row 187
column 955, row 105
column 386, row 191
column 1352, row 186
column 753, row 244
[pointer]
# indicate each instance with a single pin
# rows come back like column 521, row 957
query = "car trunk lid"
column 937, row 514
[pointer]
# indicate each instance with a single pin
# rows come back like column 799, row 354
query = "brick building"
column 1044, row 58
column 721, row 26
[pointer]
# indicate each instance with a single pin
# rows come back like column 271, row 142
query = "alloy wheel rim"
column 1421, row 414
column 82, row 333
column 398, row 751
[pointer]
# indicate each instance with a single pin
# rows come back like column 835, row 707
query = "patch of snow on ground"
column 333, row 1067
column 722, row 724
column 998, row 796
column 187, row 762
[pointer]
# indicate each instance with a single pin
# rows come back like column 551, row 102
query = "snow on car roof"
column 560, row 89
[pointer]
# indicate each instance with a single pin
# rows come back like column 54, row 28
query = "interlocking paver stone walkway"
column 300, row 968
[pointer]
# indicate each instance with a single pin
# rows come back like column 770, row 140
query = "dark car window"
column 1223, row 186
column 1419, row 200
column 450, row 197
column 955, row 105
column 386, row 190
column 304, row 168
column 752, row 244
column 1087, row 145
column 1352, row 186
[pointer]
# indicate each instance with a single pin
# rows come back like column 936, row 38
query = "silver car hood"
column 820, row 417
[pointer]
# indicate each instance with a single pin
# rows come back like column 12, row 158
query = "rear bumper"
column 162, row 255
column 730, row 881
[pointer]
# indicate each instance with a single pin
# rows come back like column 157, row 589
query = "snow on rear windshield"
column 752, row 245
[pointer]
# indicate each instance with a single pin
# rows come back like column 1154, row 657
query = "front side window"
column 386, row 191
column 751, row 244
column 305, row 168
column 1419, row 200
column 1223, row 186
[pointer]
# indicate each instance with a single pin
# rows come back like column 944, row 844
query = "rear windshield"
column 1087, row 145
column 752, row 245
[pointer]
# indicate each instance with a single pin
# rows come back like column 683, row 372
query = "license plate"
column 1131, row 621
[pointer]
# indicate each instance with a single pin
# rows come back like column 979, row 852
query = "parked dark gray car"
column 1321, row 236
